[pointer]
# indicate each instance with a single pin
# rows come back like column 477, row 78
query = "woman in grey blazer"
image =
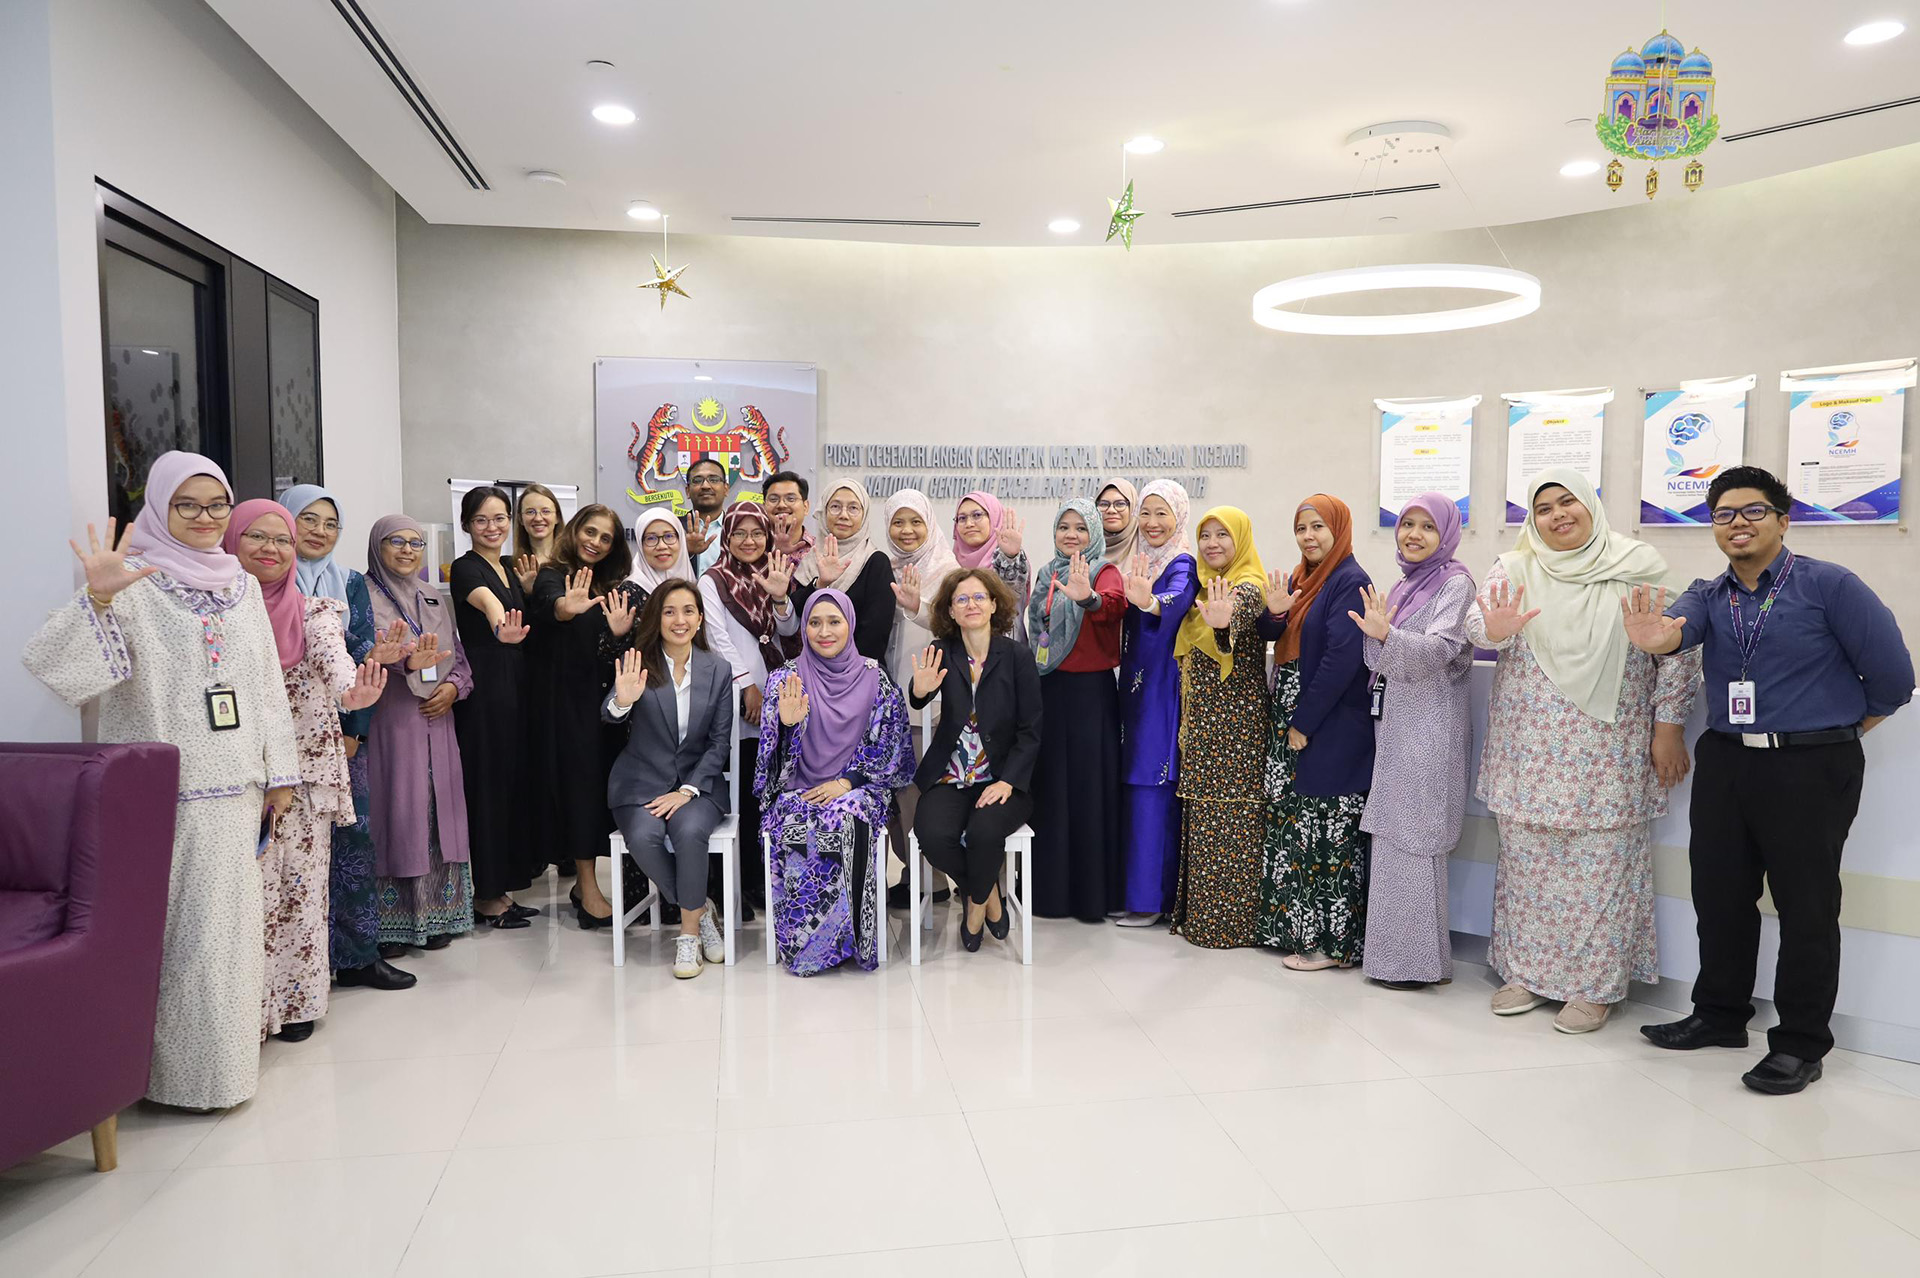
column 669, row 781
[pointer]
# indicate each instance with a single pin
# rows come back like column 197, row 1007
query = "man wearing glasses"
column 707, row 484
column 784, row 496
column 1802, row 660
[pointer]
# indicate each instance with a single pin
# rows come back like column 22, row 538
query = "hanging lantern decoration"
column 1658, row 106
column 1616, row 175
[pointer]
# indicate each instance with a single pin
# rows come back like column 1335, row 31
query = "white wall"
column 162, row 100
column 916, row 344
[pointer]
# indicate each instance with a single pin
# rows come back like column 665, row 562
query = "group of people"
column 1258, row 758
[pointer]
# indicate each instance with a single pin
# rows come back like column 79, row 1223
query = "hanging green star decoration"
column 667, row 281
column 1124, row 216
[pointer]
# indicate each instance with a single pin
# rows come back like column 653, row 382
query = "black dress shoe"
column 295, row 1032
column 393, row 950
column 440, row 942
column 377, row 975
column 506, row 920
column 1686, row 1035
column 1000, row 925
column 588, row 922
column 1779, row 1074
column 520, row 911
column 970, row 939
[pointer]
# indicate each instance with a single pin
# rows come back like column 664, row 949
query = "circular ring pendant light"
column 1387, row 144
column 1522, row 297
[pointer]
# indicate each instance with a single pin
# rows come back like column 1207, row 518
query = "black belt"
column 1786, row 740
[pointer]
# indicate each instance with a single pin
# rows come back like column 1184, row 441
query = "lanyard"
column 381, row 586
column 212, row 635
column 1748, row 642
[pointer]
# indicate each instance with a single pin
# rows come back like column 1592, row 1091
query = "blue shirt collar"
column 1767, row 575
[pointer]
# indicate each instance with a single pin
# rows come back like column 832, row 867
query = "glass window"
column 154, row 320
column 293, row 407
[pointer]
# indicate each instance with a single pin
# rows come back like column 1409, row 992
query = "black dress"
column 871, row 595
column 491, row 722
column 573, row 751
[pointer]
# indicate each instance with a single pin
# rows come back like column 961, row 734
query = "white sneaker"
column 712, row 944
column 686, row 957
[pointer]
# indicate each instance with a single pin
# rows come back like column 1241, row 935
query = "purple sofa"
column 86, row 843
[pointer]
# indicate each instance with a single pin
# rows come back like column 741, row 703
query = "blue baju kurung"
column 824, row 856
column 1150, row 740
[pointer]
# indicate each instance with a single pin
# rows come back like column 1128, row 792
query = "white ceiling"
column 1012, row 112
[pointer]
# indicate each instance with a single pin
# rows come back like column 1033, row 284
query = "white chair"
column 920, row 907
column 724, row 842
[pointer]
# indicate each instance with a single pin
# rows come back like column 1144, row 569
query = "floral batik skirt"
column 1313, row 886
column 438, row 903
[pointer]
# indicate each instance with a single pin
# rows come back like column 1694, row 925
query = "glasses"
column 317, row 524
column 844, row 508
column 278, row 543
column 968, row 601
column 194, row 509
column 405, row 543
column 976, row 517
column 659, row 539
column 490, row 521
column 783, row 501
column 1120, row 504
column 706, row 481
column 1724, row 514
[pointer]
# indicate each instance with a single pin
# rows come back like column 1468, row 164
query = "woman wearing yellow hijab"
column 1223, row 725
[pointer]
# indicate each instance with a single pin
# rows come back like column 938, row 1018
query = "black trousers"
column 1782, row 815
column 966, row 843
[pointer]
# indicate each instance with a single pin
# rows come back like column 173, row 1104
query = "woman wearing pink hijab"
column 988, row 535
column 310, row 638
column 171, row 639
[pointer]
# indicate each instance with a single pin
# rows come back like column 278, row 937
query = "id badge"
column 1377, row 700
column 429, row 674
column 223, row 708
column 1740, row 702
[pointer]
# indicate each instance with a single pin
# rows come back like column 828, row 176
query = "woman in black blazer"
column 976, row 775
column 676, row 699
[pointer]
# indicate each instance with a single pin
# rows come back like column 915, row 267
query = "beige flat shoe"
column 1301, row 963
column 1511, row 1000
column 1582, row 1017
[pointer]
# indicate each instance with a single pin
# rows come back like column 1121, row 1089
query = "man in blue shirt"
column 707, row 484
column 1801, row 661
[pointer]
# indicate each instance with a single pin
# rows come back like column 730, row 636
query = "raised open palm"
column 1376, row 621
column 1079, row 582
column 1281, row 599
column 390, row 645
column 629, row 677
column 106, row 565
column 775, row 575
column 579, row 597
column 793, row 702
column 1648, row 627
column 1012, row 527
column 906, row 591
column 827, row 556
column 1500, row 608
column 512, row 628
column 1139, row 584
column 619, row 605
column 929, row 668
column 369, row 681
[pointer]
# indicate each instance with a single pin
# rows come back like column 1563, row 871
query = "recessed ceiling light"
column 613, row 113
column 545, row 175
column 1579, row 168
column 1875, row 32
column 1145, row 145
column 145, row 351
column 641, row 211
column 1063, row 226
column 702, row 377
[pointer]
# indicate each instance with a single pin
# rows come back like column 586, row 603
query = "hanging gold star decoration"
column 1123, row 218
column 666, row 281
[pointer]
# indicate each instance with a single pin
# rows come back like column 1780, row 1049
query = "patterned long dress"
column 353, row 910
column 1575, row 799
column 1223, row 733
column 294, row 871
column 823, row 857
column 149, row 659
column 1313, row 886
column 1419, row 795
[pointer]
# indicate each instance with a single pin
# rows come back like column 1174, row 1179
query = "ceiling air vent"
column 383, row 56
column 853, row 221
column 1311, row 199
column 1828, row 118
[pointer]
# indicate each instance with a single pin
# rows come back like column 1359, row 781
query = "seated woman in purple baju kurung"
column 834, row 745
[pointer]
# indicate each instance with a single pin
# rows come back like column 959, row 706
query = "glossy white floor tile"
column 1248, row 1245
column 1526, row 1234
column 1129, row 1105
column 1764, row 1222
column 1070, row 1168
column 1381, row 1142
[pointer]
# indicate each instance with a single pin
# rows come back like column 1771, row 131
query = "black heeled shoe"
column 295, row 1032
column 505, row 921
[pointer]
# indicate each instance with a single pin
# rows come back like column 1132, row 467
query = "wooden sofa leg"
column 106, row 1144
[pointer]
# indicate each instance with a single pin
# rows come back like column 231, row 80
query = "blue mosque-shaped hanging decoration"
column 1658, row 106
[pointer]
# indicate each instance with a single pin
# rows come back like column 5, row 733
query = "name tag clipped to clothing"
column 429, row 674
column 223, row 708
column 1740, row 701
column 1377, row 698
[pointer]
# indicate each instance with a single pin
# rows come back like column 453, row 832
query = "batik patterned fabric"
column 1573, row 910
column 353, row 910
column 823, row 857
column 1313, row 882
column 1223, row 728
column 437, row 903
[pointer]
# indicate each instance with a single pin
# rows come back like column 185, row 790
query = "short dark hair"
column 1005, row 605
column 647, row 629
column 786, row 477
column 1749, row 477
column 710, row 461
column 477, row 497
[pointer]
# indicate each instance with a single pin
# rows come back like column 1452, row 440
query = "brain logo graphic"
column 1688, row 427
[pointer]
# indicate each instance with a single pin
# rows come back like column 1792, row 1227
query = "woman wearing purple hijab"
column 834, row 746
column 1417, row 649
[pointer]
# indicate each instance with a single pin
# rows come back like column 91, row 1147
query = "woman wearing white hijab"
column 1583, row 742
column 846, row 558
column 659, row 551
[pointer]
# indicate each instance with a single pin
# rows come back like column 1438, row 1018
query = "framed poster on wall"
column 1552, row 428
column 653, row 418
column 1426, row 446
column 1845, row 426
column 1690, row 434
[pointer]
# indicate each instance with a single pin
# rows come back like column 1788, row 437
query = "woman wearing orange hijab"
column 1313, row 894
